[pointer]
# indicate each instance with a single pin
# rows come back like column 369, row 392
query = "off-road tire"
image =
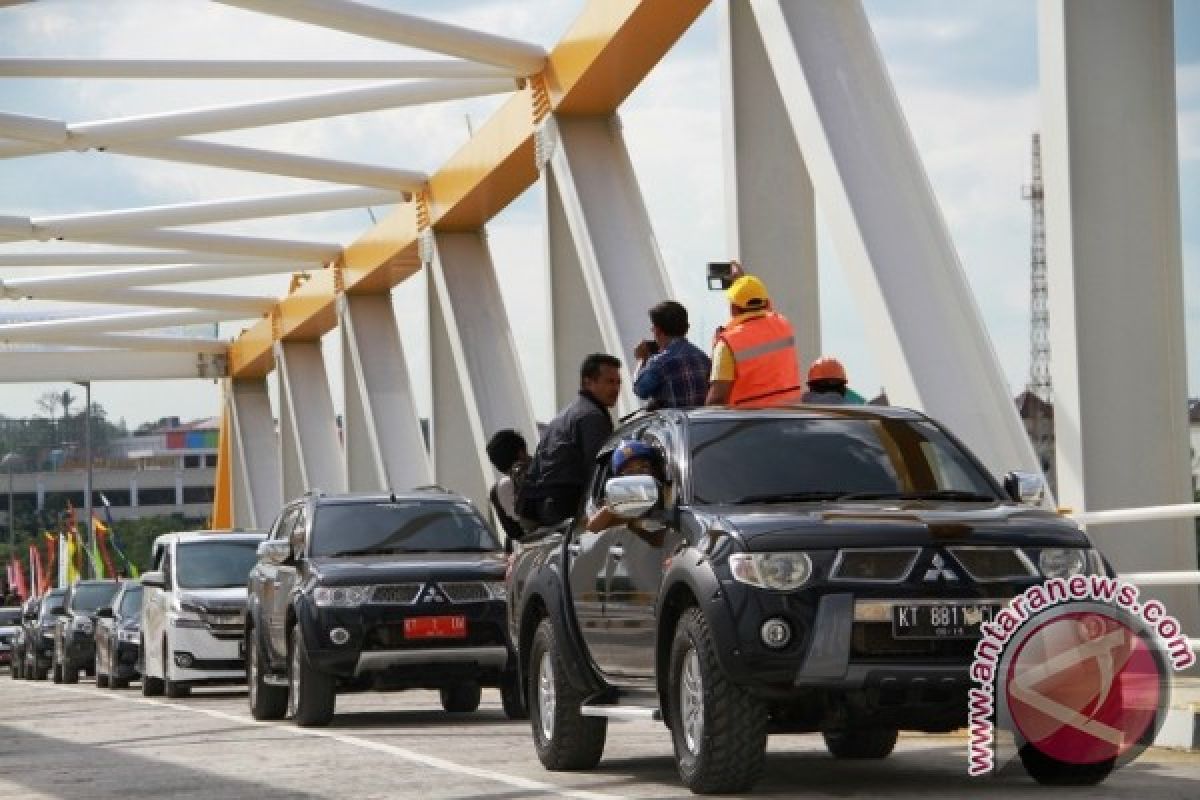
column 576, row 742
column 865, row 743
column 733, row 743
column 512, row 698
column 312, row 694
column 267, row 702
column 1050, row 771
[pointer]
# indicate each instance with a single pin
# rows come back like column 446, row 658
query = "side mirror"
column 154, row 580
column 632, row 496
column 104, row 613
column 274, row 551
column 1026, row 488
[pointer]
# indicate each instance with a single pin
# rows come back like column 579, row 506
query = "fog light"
column 339, row 636
column 184, row 660
column 776, row 633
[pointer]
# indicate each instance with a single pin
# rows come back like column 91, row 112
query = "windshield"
column 90, row 596
column 402, row 527
column 10, row 616
column 52, row 605
column 215, row 564
column 795, row 459
column 131, row 602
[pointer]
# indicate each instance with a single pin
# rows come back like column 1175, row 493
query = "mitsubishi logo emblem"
column 938, row 571
column 432, row 594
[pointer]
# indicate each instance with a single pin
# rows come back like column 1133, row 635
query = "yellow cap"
column 748, row 292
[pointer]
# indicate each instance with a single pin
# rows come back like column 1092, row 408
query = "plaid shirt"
column 677, row 377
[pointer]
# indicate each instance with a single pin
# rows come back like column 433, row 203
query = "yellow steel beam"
column 605, row 54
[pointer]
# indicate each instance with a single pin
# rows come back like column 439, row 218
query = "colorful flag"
column 21, row 587
column 102, row 536
column 110, row 528
column 50, row 576
column 37, row 576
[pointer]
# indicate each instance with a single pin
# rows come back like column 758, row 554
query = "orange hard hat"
column 826, row 368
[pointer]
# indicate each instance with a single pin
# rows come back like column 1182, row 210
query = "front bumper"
column 212, row 659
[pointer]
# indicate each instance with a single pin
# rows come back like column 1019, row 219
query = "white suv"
column 193, row 611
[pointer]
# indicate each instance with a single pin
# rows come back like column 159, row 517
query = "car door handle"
column 617, row 553
column 574, row 549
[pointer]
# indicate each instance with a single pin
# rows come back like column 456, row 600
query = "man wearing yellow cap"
column 754, row 354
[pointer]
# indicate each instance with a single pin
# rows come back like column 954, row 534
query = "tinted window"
column 758, row 459
column 10, row 616
column 52, row 605
column 403, row 527
column 131, row 602
column 90, row 596
column 215, row 564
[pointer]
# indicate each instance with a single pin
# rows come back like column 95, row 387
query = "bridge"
column 811, row 122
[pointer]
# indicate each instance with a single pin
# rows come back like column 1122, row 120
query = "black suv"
column 377, row 591
column 39, row 634
column 74, row 631
column 790, row 570
column 118, row 635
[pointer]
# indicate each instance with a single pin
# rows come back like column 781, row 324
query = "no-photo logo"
column 1084, row 688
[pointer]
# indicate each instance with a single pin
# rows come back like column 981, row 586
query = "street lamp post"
column 10, row 460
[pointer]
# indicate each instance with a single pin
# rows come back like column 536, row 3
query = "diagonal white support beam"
column 405, row 29
column 107, row 365
column 770, row 212
column 139, row 276
column 124, row 296
column 605, row 268
column 310, row 452
column 1116, row 285
column 921, row 317
column 202, row 213
column 221, row 243
column 478, row 384
column 246, row 69
column 385, row 448
column 108, row 258
column 249, row 159
column 32, row 129
column 257, row 489
column 110, row 323
column 139, row 342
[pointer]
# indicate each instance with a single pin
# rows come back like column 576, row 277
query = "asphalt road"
column 83, row 742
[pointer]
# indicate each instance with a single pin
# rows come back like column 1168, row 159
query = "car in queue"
column 39, row 634
column 118, row 634
column 10, row 627
column 193, row 606
column 28, row 613
column 74, row 631
column 389, row 592
column 808, row 569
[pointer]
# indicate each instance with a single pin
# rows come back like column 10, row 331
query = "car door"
column 637, row 560
column 588, row 565
column 285, row 579
column 265, row 584
column 154, row 614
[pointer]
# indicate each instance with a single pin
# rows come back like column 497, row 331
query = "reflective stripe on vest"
column 765, row 360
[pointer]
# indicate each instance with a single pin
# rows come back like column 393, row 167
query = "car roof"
column 434, row 494
column 800, row 412
column 185, row 537
column 95, row 582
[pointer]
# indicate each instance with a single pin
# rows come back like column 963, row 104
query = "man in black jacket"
column 562, row 465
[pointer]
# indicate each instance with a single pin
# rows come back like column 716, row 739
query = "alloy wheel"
column 547, row 701
column 691, row 701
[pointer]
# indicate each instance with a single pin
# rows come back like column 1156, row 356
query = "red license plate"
column 452, row 626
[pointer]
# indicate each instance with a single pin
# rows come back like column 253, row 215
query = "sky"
column 965, row 74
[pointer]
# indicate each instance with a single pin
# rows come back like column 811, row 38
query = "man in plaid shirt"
column 677, row 375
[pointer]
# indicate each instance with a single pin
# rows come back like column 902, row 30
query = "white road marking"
column 366, row 744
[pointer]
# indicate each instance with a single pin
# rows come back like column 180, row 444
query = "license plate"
column 451, row 626
column 941, row 620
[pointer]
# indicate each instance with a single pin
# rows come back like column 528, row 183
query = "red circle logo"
column 1084, row 688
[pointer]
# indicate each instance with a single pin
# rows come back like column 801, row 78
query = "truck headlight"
column 1062, row 562
column 779, row 571
column 340, row 596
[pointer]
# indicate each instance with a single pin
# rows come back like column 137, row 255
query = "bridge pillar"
column 256, row 491
column 310, row 452
column 385, row 448
column 478, row 385
column 605, row 268
column 770, row 213
column 1116, row 276
column 920, row 316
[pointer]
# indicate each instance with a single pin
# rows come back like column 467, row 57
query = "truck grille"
column 399, row 594
column 994, row 563
column 224, row 625
column 467, row 592
column 874, row 565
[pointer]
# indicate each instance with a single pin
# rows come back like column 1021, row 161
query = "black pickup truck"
column 813, row 569
column 357, row 592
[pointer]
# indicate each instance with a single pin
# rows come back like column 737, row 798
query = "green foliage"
column 138, row 535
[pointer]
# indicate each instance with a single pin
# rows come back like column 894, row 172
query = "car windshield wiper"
column 787, row 497
column 963, row 495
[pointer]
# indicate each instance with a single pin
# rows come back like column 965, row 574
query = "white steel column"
column 920, row 316
column 770, row 213
column 478, row 385
column 605, row 268
column 385, row 448
column 256, row 489
column 311, row 454
column 1116, row 276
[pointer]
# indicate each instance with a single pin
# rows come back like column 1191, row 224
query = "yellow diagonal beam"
column 602, row 58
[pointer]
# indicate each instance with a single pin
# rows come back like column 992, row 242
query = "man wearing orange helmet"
column 754, row 355
column 827, row 384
